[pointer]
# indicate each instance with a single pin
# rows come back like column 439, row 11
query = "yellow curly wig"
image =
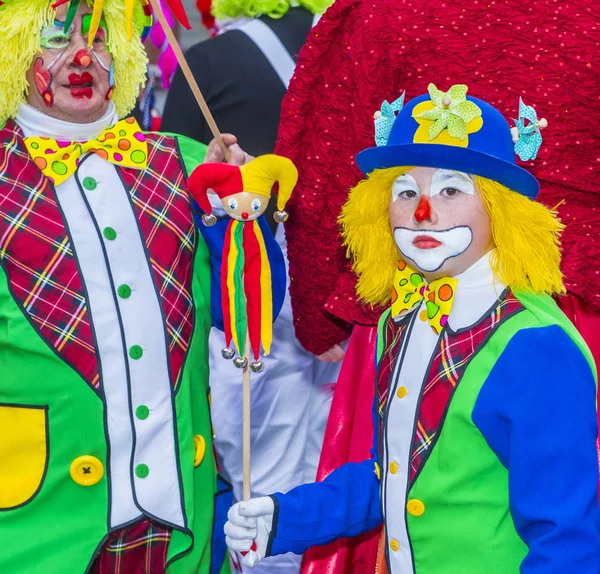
column 21, row 22
column 526, row 237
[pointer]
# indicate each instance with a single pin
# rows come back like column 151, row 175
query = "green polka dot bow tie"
column 123, row 144
column 410, row 288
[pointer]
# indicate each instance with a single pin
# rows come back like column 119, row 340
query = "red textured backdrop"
column 362, row 52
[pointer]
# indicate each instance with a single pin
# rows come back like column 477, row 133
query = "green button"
column 90, row 183
column 110, row 233
column 142, row 471
column 124, row 291
column 142, row 412
column 136, row 352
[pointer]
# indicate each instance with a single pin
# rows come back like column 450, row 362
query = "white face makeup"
column 430, row 250
column 439, row 222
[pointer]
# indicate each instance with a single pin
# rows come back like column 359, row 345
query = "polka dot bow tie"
column 410, row 288
column 123, row 144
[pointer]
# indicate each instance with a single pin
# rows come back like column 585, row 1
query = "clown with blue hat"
column 484, row 455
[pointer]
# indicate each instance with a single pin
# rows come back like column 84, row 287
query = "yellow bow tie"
column 123, row 144
column 410, row 289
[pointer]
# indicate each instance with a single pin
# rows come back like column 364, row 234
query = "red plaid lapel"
column 393, row 334
column 163, row 209
column 36, row 254
column 452, row 357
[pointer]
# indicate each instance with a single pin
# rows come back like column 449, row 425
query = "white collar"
column 33, row 122
column 477, row 291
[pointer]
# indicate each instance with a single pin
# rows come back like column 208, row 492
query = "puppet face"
column 439, row 223
column 245, row 206
column 67, row 80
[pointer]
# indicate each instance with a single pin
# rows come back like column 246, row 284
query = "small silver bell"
column 227, row 353
column 209, row 220
column 280, row 216
column 240, row 362
column 257, row 367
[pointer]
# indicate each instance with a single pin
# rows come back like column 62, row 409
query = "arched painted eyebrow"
column 442, row 175
column 405, row 178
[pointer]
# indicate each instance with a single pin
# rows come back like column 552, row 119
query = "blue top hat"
column 449, row 131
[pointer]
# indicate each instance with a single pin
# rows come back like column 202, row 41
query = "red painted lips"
column 81, row 85
column 425, row 242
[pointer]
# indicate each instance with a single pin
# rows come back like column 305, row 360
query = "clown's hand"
column 237, row 156
column 248, row 528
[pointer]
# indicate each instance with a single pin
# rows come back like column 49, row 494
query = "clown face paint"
column 439, row 222
column 245, row 206
column 72, row 82
column 430, row 249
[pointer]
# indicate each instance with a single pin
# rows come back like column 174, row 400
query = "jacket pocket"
column 23, row 453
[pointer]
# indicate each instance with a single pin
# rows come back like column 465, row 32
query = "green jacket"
column 54, row 505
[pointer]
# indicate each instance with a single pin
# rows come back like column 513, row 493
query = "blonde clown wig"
column 525, row 233
column 21, row 22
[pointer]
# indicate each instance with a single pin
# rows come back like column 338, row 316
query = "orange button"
column 401, row 392
column 86, row 470
column 394, row 545
column 415, row 507
column 393, row 467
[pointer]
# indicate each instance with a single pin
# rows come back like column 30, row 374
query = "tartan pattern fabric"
column 450, row 360
column 393, row 333
column 37, row 255
column 38, row 259
column 453, row 355
column 162, row 205
column 138, row 549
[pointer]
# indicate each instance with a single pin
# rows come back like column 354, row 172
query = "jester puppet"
column 484, row 456
column 248, row 269
column 106, row 461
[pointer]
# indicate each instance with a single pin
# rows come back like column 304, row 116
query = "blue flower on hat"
column 526, row 133
column 451, row 111
column 385, row 118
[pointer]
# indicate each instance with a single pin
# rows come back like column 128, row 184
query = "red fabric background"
column 363, row 52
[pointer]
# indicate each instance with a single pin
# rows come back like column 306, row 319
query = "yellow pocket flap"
column 23, row 453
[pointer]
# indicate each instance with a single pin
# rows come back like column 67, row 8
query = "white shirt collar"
column 33, row 122
column 477, row 291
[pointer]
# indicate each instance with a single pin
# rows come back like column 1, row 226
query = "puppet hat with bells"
column 257, row 176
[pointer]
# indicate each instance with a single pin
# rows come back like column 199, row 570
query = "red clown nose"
column 423, row 211
column 82, row 58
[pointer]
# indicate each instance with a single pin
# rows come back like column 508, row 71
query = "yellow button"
column 200, row 449
column 394, row 545
column 423, row 315
column 401, row 392
column 87, row 470
column 393, row 467
column 415, row 507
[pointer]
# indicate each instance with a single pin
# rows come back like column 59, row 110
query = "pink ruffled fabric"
column 362, row 52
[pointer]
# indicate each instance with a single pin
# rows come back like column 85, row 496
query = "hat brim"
column 450, row 157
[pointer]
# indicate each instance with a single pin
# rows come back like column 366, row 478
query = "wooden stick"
column 246, row 422
column 185, row 68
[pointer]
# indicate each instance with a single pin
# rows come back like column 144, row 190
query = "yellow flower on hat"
column 448, row 117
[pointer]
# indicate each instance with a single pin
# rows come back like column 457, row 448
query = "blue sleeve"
column 345, row 504
column 215, row 238
column 537, row 411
